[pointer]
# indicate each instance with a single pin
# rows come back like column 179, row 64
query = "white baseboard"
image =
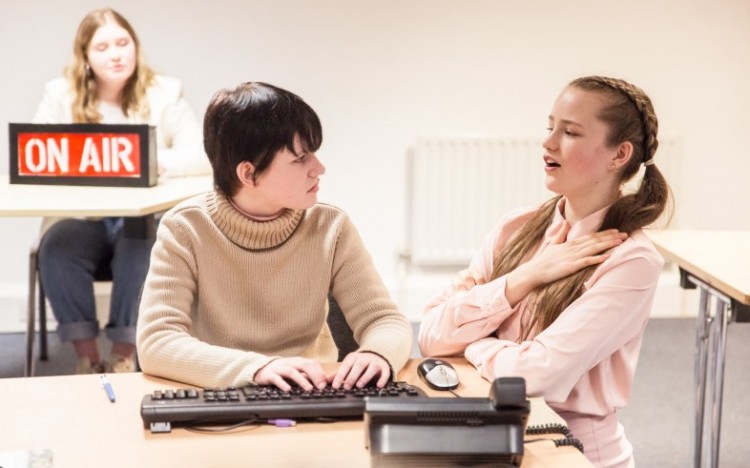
column 671, row 300
column 13, row 304
column 12, row 307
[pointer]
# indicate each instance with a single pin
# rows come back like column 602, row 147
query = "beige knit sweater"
column 225, row 295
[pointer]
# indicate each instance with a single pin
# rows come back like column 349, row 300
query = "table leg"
column 31, row 316
column 720, row 348
column 140, row 227
column 701, row 359
column 709, row 371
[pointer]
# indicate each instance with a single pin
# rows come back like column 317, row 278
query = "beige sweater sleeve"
column 377, row 323
column 165, row 338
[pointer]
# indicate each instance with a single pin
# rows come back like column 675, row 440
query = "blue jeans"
column 73, row 253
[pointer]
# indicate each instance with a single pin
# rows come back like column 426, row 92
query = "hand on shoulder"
column 558, row 261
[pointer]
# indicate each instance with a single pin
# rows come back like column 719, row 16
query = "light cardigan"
column 225, row 294
column 585, row 361
column 179, row 139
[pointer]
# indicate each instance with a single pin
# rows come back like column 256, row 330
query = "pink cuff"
column 480, row 354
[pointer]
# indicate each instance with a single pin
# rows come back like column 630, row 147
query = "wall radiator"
column 459, row 187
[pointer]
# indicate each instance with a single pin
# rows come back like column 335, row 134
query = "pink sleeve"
column 453, row 319
column 609, row 314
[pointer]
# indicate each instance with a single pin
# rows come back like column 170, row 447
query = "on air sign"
column 83, row 154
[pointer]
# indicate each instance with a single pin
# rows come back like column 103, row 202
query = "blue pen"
column 108, row 388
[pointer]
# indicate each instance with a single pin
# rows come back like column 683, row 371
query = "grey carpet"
column 658, row 421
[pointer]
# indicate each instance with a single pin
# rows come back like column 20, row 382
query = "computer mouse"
column 438, row 374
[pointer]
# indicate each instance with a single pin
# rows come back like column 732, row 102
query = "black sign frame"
column 147, row 144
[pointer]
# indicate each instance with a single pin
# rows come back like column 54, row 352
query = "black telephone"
column 509, row 392
column 459, row 430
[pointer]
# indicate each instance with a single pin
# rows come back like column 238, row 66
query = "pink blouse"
column 585, row 361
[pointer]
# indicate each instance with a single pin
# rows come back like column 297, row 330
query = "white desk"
column 72, row 417
column 137, row 205
column 718, row 263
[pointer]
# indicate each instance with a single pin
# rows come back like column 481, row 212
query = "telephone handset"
column 508, row 392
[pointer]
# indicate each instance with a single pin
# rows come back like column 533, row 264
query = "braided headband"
column 633, row 100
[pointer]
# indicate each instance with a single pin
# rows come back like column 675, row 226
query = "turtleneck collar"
column 247, row 233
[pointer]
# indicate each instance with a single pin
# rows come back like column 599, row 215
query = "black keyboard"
column 190, row 407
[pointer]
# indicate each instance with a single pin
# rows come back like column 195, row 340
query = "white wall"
column 380, row 74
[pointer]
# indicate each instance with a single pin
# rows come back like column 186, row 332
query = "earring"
column 88, row 71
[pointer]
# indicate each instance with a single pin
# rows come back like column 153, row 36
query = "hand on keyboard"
column 304, row 372
column 358, row 369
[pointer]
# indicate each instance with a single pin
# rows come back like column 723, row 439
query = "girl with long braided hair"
column 561, row 294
